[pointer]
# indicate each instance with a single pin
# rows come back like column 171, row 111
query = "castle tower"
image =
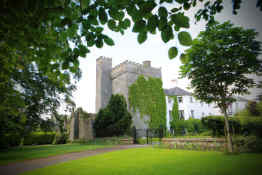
column 103, row 82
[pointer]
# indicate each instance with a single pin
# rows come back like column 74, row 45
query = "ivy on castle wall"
column 175, row 111
column 148, row 97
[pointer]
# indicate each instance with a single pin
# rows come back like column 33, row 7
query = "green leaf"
column 183, row 58
column 174, row 10
column 152, row 23
column 139, row 26
column 111, row 24
column 108, row 41
column 82, row 50
column 187, row 6
column 180, row 20
column 117, row 15
column 102, row 15
column 99, row 29
column 126, row 23
column 92, row 20
column 142, row 37
column 172, row 52
column 167, row 34
column 177, row 28
column 162, row 12
column 162, row 23
column 184, row 38
column 99, row 43
column 84, row 3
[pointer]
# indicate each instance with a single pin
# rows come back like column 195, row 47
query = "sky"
column 154, row 49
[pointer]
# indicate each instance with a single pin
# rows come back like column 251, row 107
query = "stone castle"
column 116, row 80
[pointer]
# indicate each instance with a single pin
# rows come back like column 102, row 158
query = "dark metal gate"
column 148, row 136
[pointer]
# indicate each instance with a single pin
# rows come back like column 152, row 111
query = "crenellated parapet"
column 102, row 59
column 135, row 68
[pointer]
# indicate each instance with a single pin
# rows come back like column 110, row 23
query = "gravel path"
column 28, row 165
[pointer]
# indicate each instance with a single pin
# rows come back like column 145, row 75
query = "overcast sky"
column 127, row 48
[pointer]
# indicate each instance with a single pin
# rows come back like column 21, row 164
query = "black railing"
column 147, row 134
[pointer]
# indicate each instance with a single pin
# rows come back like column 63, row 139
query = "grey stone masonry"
column 117, row 80
column 103, row 82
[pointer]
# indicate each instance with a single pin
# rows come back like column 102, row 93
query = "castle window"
column 180, row 100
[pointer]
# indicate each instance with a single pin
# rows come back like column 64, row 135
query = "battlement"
column 133, row 67
column 102, row 59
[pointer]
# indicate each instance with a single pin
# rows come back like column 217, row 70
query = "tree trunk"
column 228, row 135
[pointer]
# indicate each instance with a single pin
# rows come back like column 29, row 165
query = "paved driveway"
column 28, row 165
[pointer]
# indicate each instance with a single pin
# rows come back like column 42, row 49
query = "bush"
column 9, row 140
column 252, row 107
column 238, row 125
column 114, row 120
column 190, row 127
column 194, row 126
column 247, row 144
column 60, row 138
column 39, row 138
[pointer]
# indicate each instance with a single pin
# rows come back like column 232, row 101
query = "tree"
column 50, row 36
column 217, row 65
column 114, row 120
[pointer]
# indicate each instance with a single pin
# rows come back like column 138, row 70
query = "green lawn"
column 33, row 152
column 155, row 161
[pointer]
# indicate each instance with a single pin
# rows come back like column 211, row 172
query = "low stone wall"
column 212, row 144
column 126, row 141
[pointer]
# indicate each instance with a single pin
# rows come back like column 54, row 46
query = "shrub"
column 191, row 126
column 39, row 138
column 247, row 144
column 238, row 125
column 252, row 107
column 60, row 138
column 194, row 126
column 9, row 140
column 114, row 120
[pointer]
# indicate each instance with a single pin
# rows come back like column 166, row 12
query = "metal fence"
column 148, row 134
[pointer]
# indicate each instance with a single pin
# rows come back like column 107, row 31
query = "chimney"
column 147, row 63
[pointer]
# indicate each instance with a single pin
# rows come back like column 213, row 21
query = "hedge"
column 39, row 138
column 238, row 125
column 9, row 140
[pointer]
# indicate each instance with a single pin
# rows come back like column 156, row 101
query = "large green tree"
column 114, row 120
column 49, row 37
column 217, row 65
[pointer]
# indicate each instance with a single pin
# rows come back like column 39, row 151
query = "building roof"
column 176, row 91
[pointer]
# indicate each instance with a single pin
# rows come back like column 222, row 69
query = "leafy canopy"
column 219, row 60
column 41, row 41
column 217, row 65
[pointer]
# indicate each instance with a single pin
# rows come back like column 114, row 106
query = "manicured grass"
column 155, row 161
column 33, row 152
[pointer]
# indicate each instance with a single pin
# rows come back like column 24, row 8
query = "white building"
column 188, row 106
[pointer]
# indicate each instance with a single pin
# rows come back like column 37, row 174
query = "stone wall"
column 103, row 82
column 86, row 131
column 83, row 126
column 214, row 144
